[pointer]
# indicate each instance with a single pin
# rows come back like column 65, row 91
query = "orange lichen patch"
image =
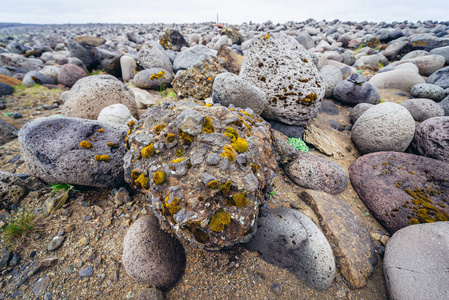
column 101, row 130
column 219, row 221
column 102, row 157
column 142, row 181
column 186, row 138
column 113, row 145
column 148, row 151
column 158, row 128
column 212, row 184
column 228, row 153
column 240, row 145
column 207, row 126
column 161, row 74
column 159, row 177
column 86, row 144
column 170, row 138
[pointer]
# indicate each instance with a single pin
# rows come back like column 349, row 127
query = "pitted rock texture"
column 206, row 170
column 7, row 132
column 12, row 189
column 197, row 81
column 432, row 138
column 57, row 151
column 283, row 69
column 402, row 189
column 91, row 94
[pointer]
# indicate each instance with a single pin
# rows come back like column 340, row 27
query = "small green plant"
column 20, row 225
column 96, row 72
column 168, row 93
column 362, row 45
column 381, row 65
column 57, row 187
column 298, row 144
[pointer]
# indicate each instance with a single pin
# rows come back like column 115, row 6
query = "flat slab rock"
column 416, row 262
column 402, row 189
column 350, row 239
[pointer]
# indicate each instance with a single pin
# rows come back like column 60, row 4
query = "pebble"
column 276, row 288
column 15, row 259
column 69, row 228
column 86, row 272
column 55, row 243
column 17, row 115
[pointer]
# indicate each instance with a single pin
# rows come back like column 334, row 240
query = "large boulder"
column 152, row 256
column 84, row 48
column 152, row 55
column 191, row 57
column 416, row 262
column 427, row 90
column 204, row 169
column 17, row 61
column 74, row 151
column 432, row 138
column 401, row 189
column 440, row 78
column 355, row 90
column 384, row 127
column 34, row 77
column 70, row 74
column 423, row 109
column 401, row 79
column 229, row 89
column 91, row 94
column 233, row 33
column 284, row 70
column 289, row 239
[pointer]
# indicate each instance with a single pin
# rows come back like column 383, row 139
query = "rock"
column 152, row 55
column 192, row 57
column 110, row 61
column 231, row 61
column 17, row 61
column 154, row 78
column 400, row 79
column 443, row 51
column 358, row 110
column 233, row 33
column 427, row 64
column 393, row 50
column 295, row 131
column 70, row 74
column 401, row 189
column 55, row 243
column 121, row 197
column 427, row 90
column 6, row 258
column 415, row 262
column 77, row 62
column 91, row 94
column 15, row 260
column 221, row 42
column 284, row 70
column 355, row 90
column 152, row 294
column 423, row 109
column 152, row 256
column 385, row 127
column 444, row 104
column 171, row 175
column 117, row 114
column 93, row 41
column 440, row 78
column 7, row 132
column 128, row 66
column 229, row 88
column 85, row 51
column 288, row 239
column 414, row 54
column 331, row 76
column 324, row 141
column 197, row 82
column 329, row 108
column 346, row 231
column 173, row 40
column 372, row 62
column 41, row 286
column 33, row 77
column 34, row 268
column 314, row 172
column 51, row 71
column 431, row 138
column 12, row 189
column 145, row 98
column 86, row 272
column 52, row 149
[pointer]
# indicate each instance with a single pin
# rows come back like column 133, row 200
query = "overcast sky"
column 229, row 11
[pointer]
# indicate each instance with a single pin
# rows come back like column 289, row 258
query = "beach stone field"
column 304, row 160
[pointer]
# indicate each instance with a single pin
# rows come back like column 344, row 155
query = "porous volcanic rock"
column 206, row 170
column 432, row 138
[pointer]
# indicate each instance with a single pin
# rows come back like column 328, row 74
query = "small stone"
column 55, row 243
column 107, row 223
column 376, row 236
column 47, row 296
column 15, row 259
column 115, row 275
column 5, row 259
column 82, row 242
column 87, row 218
column 61, row 233
column 276, row 288
column 69, row 228
column 86, row 272
column 121, row 196
column 32, row 254
column 41, row 285
column 17, row 115
column 384, row 239
column 380, row 249
column 98, row 210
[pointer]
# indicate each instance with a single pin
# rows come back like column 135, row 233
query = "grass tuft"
column 19, row 226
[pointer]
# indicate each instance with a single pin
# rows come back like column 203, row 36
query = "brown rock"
column 324, row 141
column 152, row 256
column 89, row 41
column 432, row 138
column 233, row 61
column 70, row 74
column 351, row 242
column 9, row 80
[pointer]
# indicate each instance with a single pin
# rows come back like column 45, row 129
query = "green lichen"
column 298, row 144
column 239, row 200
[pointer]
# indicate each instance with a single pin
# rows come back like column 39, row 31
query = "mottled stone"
column 432, row 138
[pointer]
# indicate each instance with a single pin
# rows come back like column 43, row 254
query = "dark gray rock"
column 445, row 105
column 432, row 138
column 401, row 189
column 443, row 51
column 6, row 257
column 12, row 190
column 110, row 61
column 152, row 256
column 355, row 90
column 316, row 173
column 192, row 56
column 7, row 132
column 427, row 90
column 230, row 89
column 423, row 109
column 6, row 89
column 52, row 151
column 440, row 78
column 384, row 127
column 416, row 262
column 292, row 131
column 289, row 239
column 88, row 54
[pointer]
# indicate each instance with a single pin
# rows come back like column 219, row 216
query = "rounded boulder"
column 70, row 74
column 422, row 109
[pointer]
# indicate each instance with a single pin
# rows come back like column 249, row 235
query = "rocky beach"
column 303, row 160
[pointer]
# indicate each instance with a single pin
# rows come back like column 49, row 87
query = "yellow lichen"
column 158, row 128
column 113, row 145
column 207, row 126
column 102, row 157
column 148, row 151
column 173, row 206
column 179, row 153
column 161, row 74
column 170, row 138
column 226, row 187
column 101, row 130
column 177, row 160
column 240, row 199
column 228, row 153
column 254, row 168
column 212, row 184
column 86, row 144
column 142, row 181
column 219, row 221
column 186, row 138
column 159, row 177
column 231, row 133
column 240, row 145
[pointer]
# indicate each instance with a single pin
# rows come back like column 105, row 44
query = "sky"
column 229, row 11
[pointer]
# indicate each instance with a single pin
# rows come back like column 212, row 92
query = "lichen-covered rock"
column 283, row 69
column 172, row 39
column 233, row 33
column 154, row 78
column 206, row 170
column 197, row 81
